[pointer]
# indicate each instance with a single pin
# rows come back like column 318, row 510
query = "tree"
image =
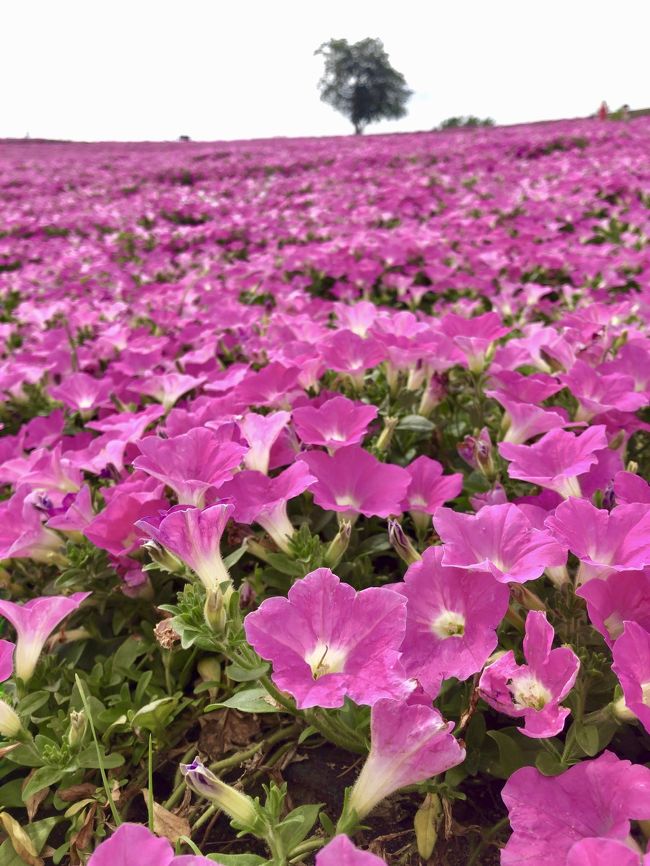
column 359, row 82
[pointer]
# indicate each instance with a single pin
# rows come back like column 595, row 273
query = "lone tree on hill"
column 359, row 82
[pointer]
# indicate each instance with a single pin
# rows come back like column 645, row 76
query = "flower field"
column 325, row 514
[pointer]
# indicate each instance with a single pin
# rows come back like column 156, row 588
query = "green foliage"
column 360, row 82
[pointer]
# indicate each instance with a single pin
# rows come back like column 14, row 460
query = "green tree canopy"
column 360, row 82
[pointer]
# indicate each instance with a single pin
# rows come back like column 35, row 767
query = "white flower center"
column 645, row 688
column 449, row 623
column 527, row 691
column 346, row 500
column 324, row 659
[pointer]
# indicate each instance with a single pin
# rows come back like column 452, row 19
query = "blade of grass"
column 150, row 792
column 100, row 760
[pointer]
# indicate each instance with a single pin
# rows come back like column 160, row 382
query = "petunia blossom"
column 191, row 464
column 326, row 641
column 604, row 541
column 557, row 460
column 34, row 621
column 499, row 539
column 595, row 799
column 136, row 845
column 533, row 691
column 354, row 482
column 409, row 743
column 193, row 535
column 260, row 432
column 621, row 596
column 451, row 620
column 606, row 852
column 341, row 852
column 428, row 489
column 336, row 423
column 631, row 664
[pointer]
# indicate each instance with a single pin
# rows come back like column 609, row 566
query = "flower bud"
column 214, row 611
column 163, row 558
column 386, row 435
column 238, row 806
column 338, row 545
column 476, row 451
column 426, row 823
column 401, row 543
column 77, row 730
column 10, row 725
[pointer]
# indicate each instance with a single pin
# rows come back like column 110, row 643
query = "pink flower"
column 451, row 620
column 429, row 489
column 260, row 432
column 191, row 464
column 499, row 539
column 629, row 488
column 260, row 499
column 115, row 528
column 327, row 641
column 135, row 845
column 335, row 423
column 34, row 621
column 621, row 596
column 82, row 393
column 353, row 482
column 606, row 852
column 604, row 541
column 341, row 852
column 22, row 533
column 409, row 743
column 10, row 724
column 168, row 388
column 592, row 800
column 631, row 655
column 347, row 352
column 533, row 691
column 473, row 336
column 193, row 535
column 76, row 513
column 274, row 385
column 598, row 392
column 525, row 420
column 557, row 460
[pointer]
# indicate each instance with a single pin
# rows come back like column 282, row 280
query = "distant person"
column 603, row 111
column 625, row 112
column 184, row 138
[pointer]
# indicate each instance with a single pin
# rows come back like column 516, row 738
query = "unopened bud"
column 433, row 395
column 238, row 806
column 476, row 451
column 77, row 729
column 338, row 545
column 163, row 558
column 10, row 725
column 622, row 712
column 214, row 611
column 632, row 467
column 401, row 543
column 427, row 819
column 386, row 435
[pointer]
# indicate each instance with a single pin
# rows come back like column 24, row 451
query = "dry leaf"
column 166, row 823
column 83, row 837
column 22, row 844
column 77, row 792
column 224, row 730
column 35, row 800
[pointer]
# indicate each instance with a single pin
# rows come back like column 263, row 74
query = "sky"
column 132, row 70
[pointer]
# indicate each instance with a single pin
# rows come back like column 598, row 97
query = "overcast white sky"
column 229, row 69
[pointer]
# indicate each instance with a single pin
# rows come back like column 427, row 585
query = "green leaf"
column 87, row 759
column 284, row 564
column 239, row 859
column 248, row 701
column 26, row 755
column 236, row 555
column 549, row 765
column 126, row 655
column 415, row 424
column 511, row 756
column 587, row 737
column 153, row 716
column 42, row 778
column 297, row 825
column 37, row 832
column 245, row 675
column 11, row 794
column 33, row 702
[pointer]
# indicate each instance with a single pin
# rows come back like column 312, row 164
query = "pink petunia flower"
column 136, row 845
column 327, row 641
column 354, row 482
column 115, row 528
column 341, row 852
column 621, row 596
column 629, row 487
column 475, row 336
column 82, row 393
column 606, row 852
column 260, row 499
column 191, row 464
column 261, row 432
column 346, row 352
column 75, row 514
column 336, row 423
column 168, row 388
column 523, row 421
column 595, row 799
column 451, row 620
column 34, row 621
column 604, row 541
column 10, row 724
column 193, row 535
column 557, row 460
column 631, row 664
column 499, row 539
column 22, row 533
column 598, row 392
column 533, row 691
column 409, row 743
column 429, row 489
